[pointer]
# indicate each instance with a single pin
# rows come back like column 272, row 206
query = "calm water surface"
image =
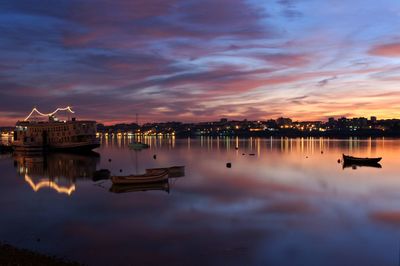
column 291, row 203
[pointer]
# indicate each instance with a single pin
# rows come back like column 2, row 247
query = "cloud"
column 289, row 9
column 323, row 82
column 191, row 59
column 133, row 22
column 292, row 60
column 387, row 50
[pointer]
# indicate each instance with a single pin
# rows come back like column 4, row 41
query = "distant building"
column 224, row 120
column 282, row 121
column 360, row 122
column 373, row 119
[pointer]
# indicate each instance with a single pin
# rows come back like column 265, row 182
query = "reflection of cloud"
column 144, row 243
column 289, row 207
column 388, row 217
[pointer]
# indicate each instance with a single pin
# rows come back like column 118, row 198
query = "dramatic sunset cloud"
column 389, row 50
column 192, row 60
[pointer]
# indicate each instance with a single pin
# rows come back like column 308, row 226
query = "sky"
column 192, row 60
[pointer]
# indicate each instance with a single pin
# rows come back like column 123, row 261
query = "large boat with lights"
column 36, row 134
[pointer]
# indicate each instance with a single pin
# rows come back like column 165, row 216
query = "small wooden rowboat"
column 360, row 161
column 173, row 171
column 140, row 179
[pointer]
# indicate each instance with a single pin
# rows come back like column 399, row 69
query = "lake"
column 289, row 203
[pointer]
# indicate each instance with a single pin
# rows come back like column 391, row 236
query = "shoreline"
column 11, row 255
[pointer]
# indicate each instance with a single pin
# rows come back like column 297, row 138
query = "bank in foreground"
column 10, row 255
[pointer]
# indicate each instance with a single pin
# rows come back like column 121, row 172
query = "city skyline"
column 67, row 114
column 196, row 61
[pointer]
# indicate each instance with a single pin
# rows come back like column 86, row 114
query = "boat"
column 173, row 171
column 138, row 145
column 360, row 161
column 163, row 186
column 54, row 134
column 141, row 179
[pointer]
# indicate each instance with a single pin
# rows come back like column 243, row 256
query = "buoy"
column 338, row 160
column 154, row 156
column 228, row 165
column 322, row 152
column 354, row 167
column 243, row 153
column 236, row 148
column 120, row 170
column 306, row 157
column 109, row 160
column 252, row 154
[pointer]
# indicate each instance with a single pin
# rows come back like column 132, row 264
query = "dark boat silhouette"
column 349, row 161
column 355, row 165
column 162, row 186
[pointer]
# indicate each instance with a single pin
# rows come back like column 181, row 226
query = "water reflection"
column 57, row 171
column 308, row 145
column 355, row 165
column 289, row 204
column 161, row 186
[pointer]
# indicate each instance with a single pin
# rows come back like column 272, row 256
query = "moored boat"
column 141, row 179
column 54, row 134
column 173, row 171
column 358, row 160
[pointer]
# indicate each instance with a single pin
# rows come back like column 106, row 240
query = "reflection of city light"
column 50, row 184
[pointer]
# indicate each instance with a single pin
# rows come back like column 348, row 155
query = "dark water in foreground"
column 289, row 204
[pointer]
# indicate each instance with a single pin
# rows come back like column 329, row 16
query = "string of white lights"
column 68, row 108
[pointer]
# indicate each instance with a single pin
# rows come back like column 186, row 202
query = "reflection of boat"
column 5, row 148
column 355, row 165
column 357, row 160
column 141, row 179
column 45, row 183
column 173, row 171
column 57, row 171
column 101, row 174
column 163, row 186
column 138, row 145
